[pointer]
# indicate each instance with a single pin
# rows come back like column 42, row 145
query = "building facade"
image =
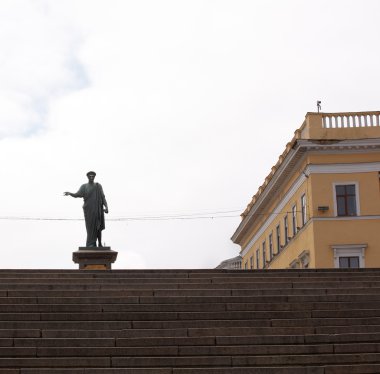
column 230, row 264
column 320, row 205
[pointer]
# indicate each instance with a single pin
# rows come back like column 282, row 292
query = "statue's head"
column 91, row 176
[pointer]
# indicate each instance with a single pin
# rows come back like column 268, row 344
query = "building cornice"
column 350, row 218
column 361, row 167
column 339, row 144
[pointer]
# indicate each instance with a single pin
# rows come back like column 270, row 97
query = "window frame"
column 304, row 258
column 286, row 229
column 303, row 209
column 264, row 250
column 349, row 258
column 278, row 238
column 258, row 258
column 349, row 250
column 270, row 246
column 346, row 183
column 294, row 219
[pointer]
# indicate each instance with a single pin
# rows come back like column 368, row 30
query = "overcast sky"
column 181, row 107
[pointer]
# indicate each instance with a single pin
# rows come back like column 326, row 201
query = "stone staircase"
column 190, row 321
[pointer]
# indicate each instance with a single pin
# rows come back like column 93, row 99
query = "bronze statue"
column 94, row 207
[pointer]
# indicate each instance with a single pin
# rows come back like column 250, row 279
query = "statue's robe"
column 94, row 200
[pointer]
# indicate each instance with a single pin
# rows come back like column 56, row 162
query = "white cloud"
column 37, row 64
column 179, row 106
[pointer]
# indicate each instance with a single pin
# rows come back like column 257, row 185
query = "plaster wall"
column 323, row 193
column 346, row 232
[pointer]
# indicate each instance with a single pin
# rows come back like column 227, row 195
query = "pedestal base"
column 94, row 258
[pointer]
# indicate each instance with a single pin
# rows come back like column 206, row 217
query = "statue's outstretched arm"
column 71, row 194
column 80, row 193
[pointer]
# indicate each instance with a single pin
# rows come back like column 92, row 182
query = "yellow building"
column 320, row 205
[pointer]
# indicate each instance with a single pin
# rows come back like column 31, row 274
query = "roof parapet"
column 342, row 125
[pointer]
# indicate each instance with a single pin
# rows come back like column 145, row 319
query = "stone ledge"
column 94, row 258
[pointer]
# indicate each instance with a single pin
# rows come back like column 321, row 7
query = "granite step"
column 181, row 278
column 122, row 298
column 243, row 360
column 354, row 338
column 341, row 369
column 321, row 324
column 51, row 279
column 160, row 316
column 244, row 287
column 164, row 351
column 171, row 292
column 190, row 361
column 331, row 369
column 327, row 302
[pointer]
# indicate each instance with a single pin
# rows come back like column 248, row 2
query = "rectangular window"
column 286, row 229
column 251, row 262
column 303, row 209
column 257, row 258
column 278, row 238
column 349, row 262
column 349, row 255
column 294, row 219
column 346, row 200
column 264, row 253
column 246, row 265
column 270, row 246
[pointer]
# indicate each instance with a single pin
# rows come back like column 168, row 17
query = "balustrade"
column 350, row 120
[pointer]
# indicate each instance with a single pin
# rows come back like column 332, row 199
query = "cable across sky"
column 160, row 217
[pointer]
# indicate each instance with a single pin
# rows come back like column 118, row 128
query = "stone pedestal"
column 94, row 258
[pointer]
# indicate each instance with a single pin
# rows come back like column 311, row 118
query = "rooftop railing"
column 350, row 120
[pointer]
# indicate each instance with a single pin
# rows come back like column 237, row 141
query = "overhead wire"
column 189, row 216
